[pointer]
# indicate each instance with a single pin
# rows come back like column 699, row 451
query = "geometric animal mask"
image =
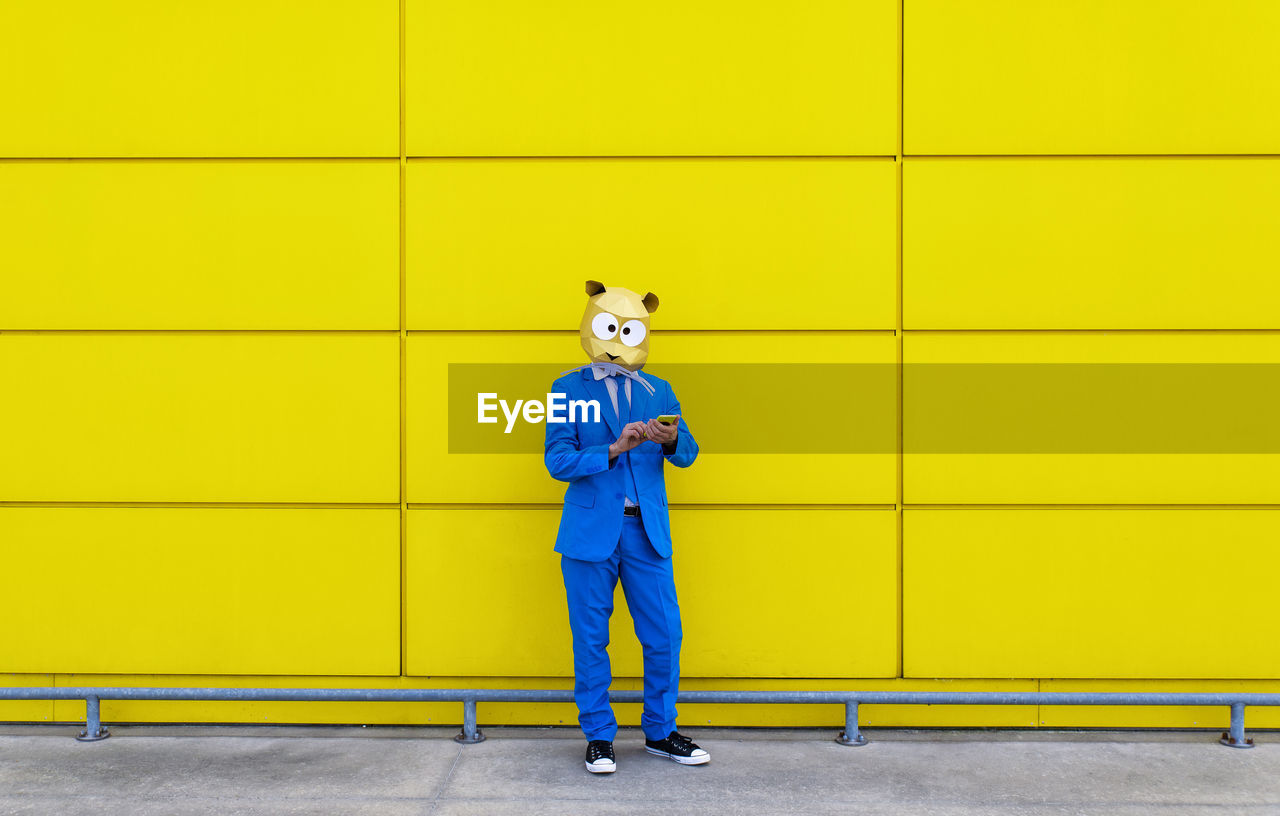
column 615, row 326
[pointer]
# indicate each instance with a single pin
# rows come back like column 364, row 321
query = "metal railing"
column 851, row 735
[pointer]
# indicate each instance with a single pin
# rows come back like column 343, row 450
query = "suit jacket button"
column 617, row 495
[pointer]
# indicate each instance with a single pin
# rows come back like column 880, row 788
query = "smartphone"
column 669, row 419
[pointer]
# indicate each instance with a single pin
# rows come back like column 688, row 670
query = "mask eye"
column 633, row 332
column 604, row 326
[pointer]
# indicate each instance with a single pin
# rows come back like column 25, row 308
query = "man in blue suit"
column 614, row 523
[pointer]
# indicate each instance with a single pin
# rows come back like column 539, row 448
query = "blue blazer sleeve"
column 686, row 446
column 565, row 457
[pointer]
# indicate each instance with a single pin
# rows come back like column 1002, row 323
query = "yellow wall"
column 240, row 246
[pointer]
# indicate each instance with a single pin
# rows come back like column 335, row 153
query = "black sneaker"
column 600, row 757
column 679, row 748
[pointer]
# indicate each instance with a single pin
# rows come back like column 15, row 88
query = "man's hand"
column 662, row 434
column 633, row 434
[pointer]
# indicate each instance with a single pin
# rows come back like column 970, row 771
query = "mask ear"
column 650, row 303
column 594, row 288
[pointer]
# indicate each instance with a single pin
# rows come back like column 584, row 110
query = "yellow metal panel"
column 26, row 710
column 1158, row 716
column 235, row 78
column 200, row 417
column 1094, row 243
column 1083, row 478
column 524, row 628
column 1091, row 76
column 746, row 244
column 212, row 590
column 1087, row 593
column 572, row 77
column 199, row 245
column 746, row 613
column 435, row 475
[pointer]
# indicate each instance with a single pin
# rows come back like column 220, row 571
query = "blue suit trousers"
column 649, row 586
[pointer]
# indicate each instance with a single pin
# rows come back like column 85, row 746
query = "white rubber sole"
column 695, row 760
column 610, row 768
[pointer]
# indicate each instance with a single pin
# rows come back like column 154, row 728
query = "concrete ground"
column 145, row 770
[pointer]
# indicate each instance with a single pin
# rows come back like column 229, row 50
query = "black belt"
column 633, row 510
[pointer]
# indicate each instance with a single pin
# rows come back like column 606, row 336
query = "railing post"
column 470, row 733
column 851, row 735
column 93, row 730
column 1235, row 737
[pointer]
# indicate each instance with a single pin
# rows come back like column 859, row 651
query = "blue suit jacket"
column 578, row 453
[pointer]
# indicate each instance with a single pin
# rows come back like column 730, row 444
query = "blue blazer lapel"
column 597, row 391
